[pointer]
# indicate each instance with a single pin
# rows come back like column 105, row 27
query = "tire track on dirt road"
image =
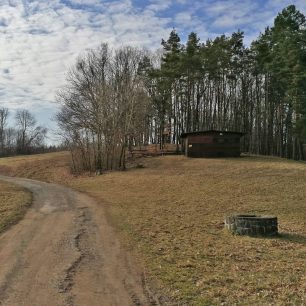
column 64, row 252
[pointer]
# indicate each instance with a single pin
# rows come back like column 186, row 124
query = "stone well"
column 252, row 225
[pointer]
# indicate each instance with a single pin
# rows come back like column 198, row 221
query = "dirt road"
column 65, row 253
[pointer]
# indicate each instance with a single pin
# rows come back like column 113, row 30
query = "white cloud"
column 183, row 17
column 40, row 40
column 159, row 5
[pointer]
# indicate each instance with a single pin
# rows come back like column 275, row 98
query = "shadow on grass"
column 290, row 237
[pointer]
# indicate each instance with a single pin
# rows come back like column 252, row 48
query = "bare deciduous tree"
column 102, row 107
column 28, row 133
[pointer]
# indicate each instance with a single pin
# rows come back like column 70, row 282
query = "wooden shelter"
column 211, row 143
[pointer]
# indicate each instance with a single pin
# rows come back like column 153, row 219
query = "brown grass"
column 51, row 167
column 171, row 213
column 14, row 202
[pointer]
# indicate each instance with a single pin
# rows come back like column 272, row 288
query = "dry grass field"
column 51, row 167
column 13, row 204
column 170, row 213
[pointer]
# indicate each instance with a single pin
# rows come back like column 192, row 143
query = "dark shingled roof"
column 211, row 132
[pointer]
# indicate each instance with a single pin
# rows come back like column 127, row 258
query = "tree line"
column 26, row 137
column 115, row 99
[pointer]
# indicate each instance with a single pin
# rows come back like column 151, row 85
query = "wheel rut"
column 81, row 223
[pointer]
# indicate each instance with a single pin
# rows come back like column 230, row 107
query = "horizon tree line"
column 25, row 138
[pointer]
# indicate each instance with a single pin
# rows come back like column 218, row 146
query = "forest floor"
column 170, row 214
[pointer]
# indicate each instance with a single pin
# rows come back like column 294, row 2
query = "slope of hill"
column 170, row 213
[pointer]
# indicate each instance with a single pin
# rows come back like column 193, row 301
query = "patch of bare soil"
column 64, row 252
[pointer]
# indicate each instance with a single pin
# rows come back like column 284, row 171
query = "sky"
column 40, row 40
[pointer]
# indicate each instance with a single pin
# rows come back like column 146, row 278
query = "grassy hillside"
column 51, row 167
column 13, row 204
column 171, row 213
